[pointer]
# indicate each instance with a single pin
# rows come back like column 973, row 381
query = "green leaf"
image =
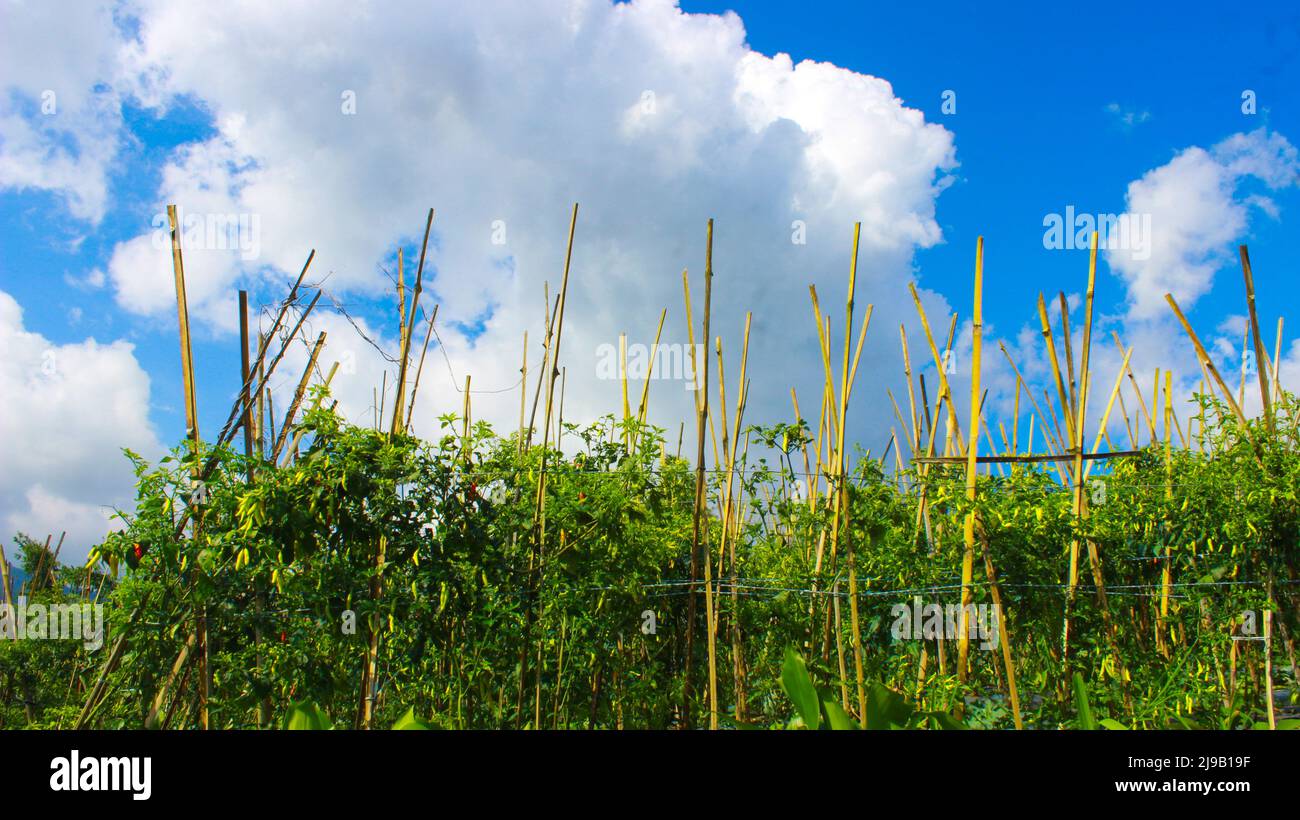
column 1086, row 720
column 1180, row 722
column 1111, row 723
column 799, row 686
column 886, row 709
column 304, row 714
column 836, row 717
column 943, row 720
column 410, row 721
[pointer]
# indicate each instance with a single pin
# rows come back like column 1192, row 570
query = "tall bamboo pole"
column 539, row 510
column 842, row 495
column 1077, row 444
column 192, row 430
column 968, row 557
column 701, row 418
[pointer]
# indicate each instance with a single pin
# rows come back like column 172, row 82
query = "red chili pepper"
column 139, row 552
column 284, row 637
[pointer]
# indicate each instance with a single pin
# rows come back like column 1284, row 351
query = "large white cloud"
column 60, row 120
column 69, row 410
column 501, row 115
column 1196, row 211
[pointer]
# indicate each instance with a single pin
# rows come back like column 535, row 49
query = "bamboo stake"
column 539, row 511
column 915, row 429
column 842, row 511
column 523, row 392
column 244, row 379
column 945, row 393
column 1067, row 341
column 192, row 429
column 1077, row 444
column 1142, row 405
column 1214, row 372
column 643, row 405
column 1050, row 339
column 1105, row 418
column 968, row 557
column 407, row 324
column 1277, row 365
column 419, row 369
column 701, row 416
column 1260, row 355
column 298, row 396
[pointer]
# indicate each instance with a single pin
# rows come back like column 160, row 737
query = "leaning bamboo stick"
column 1260, row 355
column 419, row 369
column 643, row 406
column 298, row 396
column 940, row 362
column 1068, row 341
column 1049, row 339
column 915, row 430
column 1277, row 365
column 1214, row 372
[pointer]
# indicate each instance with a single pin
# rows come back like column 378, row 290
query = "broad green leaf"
column 886, row 709
column 304, row 714
column 1086, row 720
column 836, row 717
column 799, row 686
column 410, row 721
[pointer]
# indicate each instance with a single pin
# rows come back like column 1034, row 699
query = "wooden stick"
column 968, row 557
column 842, row 495
column 1260, row 355
column 1050, row 339
column 539, row 510
column 1214, row 372
column 419, row 369
column 407, row 323
column 298, row 396
column 1068, row 341
column 701, row 420
column 939, row 362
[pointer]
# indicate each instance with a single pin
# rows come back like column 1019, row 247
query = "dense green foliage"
column 283, row 571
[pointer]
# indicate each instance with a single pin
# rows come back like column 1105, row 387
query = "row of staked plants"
column 475, row 626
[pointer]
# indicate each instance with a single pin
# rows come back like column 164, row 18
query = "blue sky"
column 1034, row 133
column 486, row 116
